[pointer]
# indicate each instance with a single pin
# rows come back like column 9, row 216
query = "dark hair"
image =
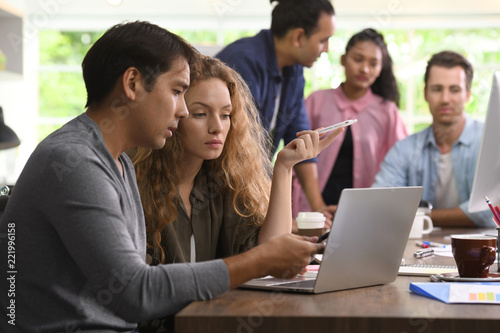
column 290, row 14
column 450, row 59
column 385, row 85
column 148, row 47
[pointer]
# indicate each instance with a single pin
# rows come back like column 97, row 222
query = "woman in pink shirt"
column 368, row 94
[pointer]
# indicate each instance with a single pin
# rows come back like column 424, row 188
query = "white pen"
column 333, row 127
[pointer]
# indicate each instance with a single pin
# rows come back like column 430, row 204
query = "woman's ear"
column 342, row 60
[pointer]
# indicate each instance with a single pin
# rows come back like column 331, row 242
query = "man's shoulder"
column 73, row 133
column 74, row 138
column 473, row 125
column 418, row 136
column 412, row 142
column 472, row 133
column 248, row 47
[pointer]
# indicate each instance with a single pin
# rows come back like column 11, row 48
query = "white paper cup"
column 310, row 223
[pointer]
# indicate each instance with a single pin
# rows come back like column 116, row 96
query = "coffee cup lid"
column 311, row 216
column 310, row 220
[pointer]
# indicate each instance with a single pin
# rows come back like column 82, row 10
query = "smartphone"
column 323, row 237
column 333, row 127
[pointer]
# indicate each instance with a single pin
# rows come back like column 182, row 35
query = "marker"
column 434, row 244
column 423, row 253
column 333, row 127
column 422, row 244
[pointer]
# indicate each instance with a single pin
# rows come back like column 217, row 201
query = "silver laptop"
column 366, row 243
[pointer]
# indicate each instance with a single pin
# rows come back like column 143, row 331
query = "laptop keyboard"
column 308, row 284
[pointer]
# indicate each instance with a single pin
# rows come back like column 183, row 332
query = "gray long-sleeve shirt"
column 80, row 244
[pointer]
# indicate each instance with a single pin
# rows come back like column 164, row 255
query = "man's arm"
column 452, row 217
column 459, row 217
column 248, row 67
column 394, row 168
column 482, row 219
column 283, row 257
column 307, row 173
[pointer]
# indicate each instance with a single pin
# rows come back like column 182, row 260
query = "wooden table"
column 385, row 308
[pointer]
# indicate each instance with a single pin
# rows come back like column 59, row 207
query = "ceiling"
column 251, row 14
column 255, row 7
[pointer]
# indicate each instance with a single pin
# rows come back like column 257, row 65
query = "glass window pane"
column 62, row 91
column 61, row 94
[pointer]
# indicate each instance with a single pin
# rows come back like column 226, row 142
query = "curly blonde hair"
column 244, row 165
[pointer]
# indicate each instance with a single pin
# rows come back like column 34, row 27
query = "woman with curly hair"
column 208, row 193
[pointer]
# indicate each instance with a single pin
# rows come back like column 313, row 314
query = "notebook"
column 426, row 270
column 366, row 243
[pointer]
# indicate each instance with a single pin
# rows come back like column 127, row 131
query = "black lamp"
column 8, row 138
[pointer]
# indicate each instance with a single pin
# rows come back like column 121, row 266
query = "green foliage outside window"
column 410, row 50
column 210, row 37
column 65, row 48
column 62, row 91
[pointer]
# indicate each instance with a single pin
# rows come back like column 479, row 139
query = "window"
column 62, row 91
column 410, row 50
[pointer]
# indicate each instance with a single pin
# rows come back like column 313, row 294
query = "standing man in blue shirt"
column 272, row 62
column 442, row 158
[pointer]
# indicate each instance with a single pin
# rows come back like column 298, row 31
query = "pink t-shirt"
column 379, row 126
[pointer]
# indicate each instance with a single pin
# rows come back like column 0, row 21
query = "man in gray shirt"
column 73, row 240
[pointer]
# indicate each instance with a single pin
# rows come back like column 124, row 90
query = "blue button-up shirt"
column 254, row 58
column 414, row 161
